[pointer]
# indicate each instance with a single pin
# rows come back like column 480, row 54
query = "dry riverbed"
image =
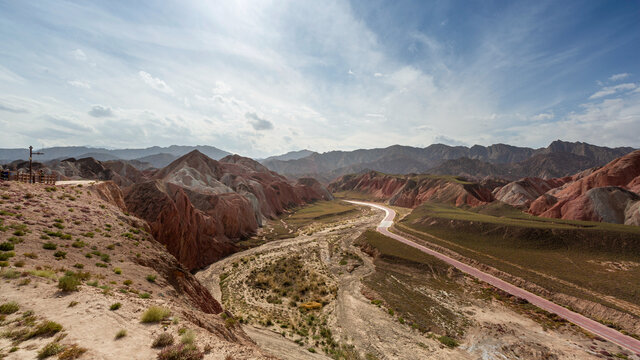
column 318, row 296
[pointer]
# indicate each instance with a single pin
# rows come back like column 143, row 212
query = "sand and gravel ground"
column 363, row 330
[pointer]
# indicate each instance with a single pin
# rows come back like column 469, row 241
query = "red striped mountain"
column 199, row 207
column 413, row 190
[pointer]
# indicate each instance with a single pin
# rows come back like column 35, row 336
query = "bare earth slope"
column 53, row 231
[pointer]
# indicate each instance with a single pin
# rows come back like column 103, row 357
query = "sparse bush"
column 78, row 266
column 10, row 274
column 69, row 283
column 163, row 340
column 49, row 246
column 30, row 255
column 59, row 226
column 115, row 306
column 19, row 263
column 180, row 352
column 72, row 304
column 151, row 278
column 102, row 265
column 448, row 341
column 117, row 271
column 49, row 350
column 145, row 296
column 155, row 314
column 9, row 308
column 120, row 334
column 79, row 244
column 6, row 246
column 127, row 282
column 46, row 329
column 60, row 254
column 188, row 337
column 4, row 256
column 72, row 352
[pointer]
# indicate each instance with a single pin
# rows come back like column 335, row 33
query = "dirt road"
column 580, row 320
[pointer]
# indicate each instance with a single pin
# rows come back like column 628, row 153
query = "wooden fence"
column 24, row 177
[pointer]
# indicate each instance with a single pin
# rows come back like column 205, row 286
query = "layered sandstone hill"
column 199, row 207
column 608, row 193
column 413, row 190
column 69, row 256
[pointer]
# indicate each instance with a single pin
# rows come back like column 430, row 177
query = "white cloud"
column 258, row 123
column 378, row 74
column 79, row 84
column 610, row 90
column 155, row 83
column 543, row 116
column 101, row 111
column 221, row 88
column 79, row 55
column 618, row 77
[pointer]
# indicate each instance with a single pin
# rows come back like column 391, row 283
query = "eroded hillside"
column 80, row 276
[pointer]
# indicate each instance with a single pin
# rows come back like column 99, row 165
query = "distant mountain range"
column 156, row 155
column 558, row 159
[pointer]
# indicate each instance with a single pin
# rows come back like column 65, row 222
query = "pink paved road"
column 590, row 325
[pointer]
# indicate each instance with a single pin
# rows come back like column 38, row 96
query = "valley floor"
column 318, row 295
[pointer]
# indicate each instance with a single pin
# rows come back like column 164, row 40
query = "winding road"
column 590, row 325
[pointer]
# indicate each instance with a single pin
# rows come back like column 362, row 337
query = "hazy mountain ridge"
column 494, row 160
column 54, row 153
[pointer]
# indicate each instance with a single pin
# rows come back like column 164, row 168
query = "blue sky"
column 265, row 77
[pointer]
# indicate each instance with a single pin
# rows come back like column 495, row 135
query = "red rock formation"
column 198, row 207
column 605, row 194
column 411, row 190
column 523, row 192
column 110, row 192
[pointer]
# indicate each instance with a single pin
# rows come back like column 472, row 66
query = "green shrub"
column 6, row 246
column 9, row 308
column 120, row 334
column 448, row 341
column 72, row 352
column 49, row 350
column 127, row 282
column 115, row 306
column 163, row 340
column 49, row 246
column 46, row 329
column 79, row 244
column 145, row 295
column 60, row 254
column 69, row 283
column 155, row 314
column 10, row 274
column 151, row 278
column 188, row 337
column 102, row 265
column 180, row 352
column 78, row 266
column 59, row 226
column 6, row 255
column 117, row 271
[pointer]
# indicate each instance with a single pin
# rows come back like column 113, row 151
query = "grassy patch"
column 155, row 314
column 401, row 273
column 9, row 308
column 600, row 257
column 163, row 340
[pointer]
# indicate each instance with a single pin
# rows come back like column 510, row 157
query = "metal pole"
column 30, row 171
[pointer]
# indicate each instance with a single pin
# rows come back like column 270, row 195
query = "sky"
column 259, row 78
